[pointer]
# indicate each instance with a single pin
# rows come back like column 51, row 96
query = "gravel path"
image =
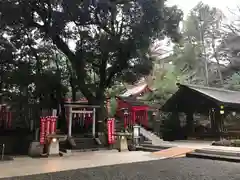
column 168, row 169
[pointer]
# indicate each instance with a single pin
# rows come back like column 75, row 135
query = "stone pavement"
column 166, row 169
column 28, row 166
column 199, row 149
column 195, row 144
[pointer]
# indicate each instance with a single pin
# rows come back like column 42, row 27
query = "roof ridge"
column 208, row 88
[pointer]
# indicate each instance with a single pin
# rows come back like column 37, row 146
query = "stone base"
column 132, row 147
column 123, row 145
column 53, row 148
column 6, row 158
column 35, row 149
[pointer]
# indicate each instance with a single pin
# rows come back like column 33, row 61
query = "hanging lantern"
column 234, row 113
column 125, row 111
column 221, row 109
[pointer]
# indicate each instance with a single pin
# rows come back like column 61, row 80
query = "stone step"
column 83, row 140
column 154, row 146
column 218, row 152
column 81, row 143
column 86, row 135
column 147, row 142
column 148, row 149
column 213, row 157
column 149, row 135
column 84, row 149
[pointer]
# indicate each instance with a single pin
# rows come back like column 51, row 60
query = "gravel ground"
column 168, row 169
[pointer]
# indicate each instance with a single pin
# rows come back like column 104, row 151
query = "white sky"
column 224, row 5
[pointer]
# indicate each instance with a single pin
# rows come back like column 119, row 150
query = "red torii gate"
column 83, row 119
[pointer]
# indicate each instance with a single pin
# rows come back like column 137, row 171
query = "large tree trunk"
column 101, row 113
column 74, row 89
column 78, row 64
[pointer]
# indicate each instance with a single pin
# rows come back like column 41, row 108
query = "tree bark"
column 77, row 64
column 74, row 90
column 101, row 114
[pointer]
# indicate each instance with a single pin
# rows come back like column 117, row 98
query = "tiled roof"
column 134, row 90
column 221, row 95
column 184, row 99
column 133, row 102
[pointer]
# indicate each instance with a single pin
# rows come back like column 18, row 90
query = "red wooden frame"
column 136, row 113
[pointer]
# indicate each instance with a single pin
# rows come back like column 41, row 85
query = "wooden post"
column 94, row 123
column 189, row 123
column 134, row 117
column 146, row 118
column 70, row 122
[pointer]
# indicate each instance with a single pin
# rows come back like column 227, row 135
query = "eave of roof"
column 201, row 99
column 219, row 94
column 135, row 90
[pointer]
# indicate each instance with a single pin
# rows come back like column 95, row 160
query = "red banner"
column 53, row 125
column 42, row 130
column 48, row 124
column 111, row 130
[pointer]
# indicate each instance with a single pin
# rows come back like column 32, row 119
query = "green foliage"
column 111, row 38
column 233, row 83
column 115, row 90
column 166, row 85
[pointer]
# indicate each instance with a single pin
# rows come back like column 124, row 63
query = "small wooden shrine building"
column 215, row 102
column 130, row 108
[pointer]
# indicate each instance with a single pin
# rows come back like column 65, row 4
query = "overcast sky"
column 187, row 5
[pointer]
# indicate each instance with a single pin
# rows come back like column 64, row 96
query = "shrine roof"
column 135, row 90
column 132, row 101
column 201, row 97
column 219, row 94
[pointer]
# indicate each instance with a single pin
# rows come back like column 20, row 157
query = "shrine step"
column 149, row 147
column 85, row 150
column 213, row 157
column 150, row 136
column 85, row 143
column 80, row 143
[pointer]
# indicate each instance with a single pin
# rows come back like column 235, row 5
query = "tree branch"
column 118, row 66
column 99, row 23
column 102, row 70
column 233, row 29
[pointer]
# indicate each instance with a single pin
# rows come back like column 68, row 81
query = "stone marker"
column 35, row 149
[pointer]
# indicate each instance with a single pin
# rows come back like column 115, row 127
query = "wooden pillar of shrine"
column 189, row 122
